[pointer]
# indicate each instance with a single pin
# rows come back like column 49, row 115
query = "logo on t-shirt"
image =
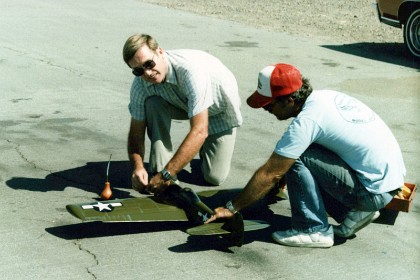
column 352, row 110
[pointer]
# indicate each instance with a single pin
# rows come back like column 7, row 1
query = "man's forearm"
column 135, row 153
column 259, row 185
column 136, row 160
column 263, row 180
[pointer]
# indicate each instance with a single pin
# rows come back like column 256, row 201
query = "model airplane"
column 174, row 204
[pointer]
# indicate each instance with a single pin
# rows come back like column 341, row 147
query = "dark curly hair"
column 301, row 94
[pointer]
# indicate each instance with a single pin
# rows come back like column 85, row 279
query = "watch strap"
column 229, row 206
column 166, row 175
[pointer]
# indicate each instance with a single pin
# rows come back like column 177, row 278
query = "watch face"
column 166, row 175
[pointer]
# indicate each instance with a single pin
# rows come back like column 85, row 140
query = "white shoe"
column 296, row 238
column 355, row 221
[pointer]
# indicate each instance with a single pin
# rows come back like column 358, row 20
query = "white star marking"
column 101, row 206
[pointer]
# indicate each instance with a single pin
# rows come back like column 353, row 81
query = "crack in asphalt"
column 22, row 156
column 16, row 147
column 35, row 166
column 49, row 63
column 95, row 259
column 45, row 61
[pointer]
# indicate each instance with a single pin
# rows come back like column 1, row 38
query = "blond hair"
column 135, row 42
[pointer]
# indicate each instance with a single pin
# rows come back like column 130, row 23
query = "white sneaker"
column 296, row 238
column 355, row 221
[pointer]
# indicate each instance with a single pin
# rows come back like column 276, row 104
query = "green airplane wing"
column 144, row 209
column 175, row 204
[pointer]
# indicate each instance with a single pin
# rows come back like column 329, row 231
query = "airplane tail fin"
column 235, row 226
column 198, row 212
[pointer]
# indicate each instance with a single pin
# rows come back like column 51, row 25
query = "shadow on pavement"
column 192, row 244
column 395, row 53
column 219, row 243
column 90, row 177
column 99, row 229
column 387, row 217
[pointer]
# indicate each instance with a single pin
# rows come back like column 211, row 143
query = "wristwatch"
column 166, row 175
column 230, row 207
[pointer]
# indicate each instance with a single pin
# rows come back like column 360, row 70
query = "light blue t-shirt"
column 354, row 132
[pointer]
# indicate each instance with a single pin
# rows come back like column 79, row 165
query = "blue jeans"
column 319, row 173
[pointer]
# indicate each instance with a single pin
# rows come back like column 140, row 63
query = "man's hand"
column 139, row 180
column 220, row 213
column 158, row 184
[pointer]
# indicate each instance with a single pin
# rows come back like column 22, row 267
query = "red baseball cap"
column 274, row 81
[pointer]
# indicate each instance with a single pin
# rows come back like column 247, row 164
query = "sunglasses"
column 139, row 71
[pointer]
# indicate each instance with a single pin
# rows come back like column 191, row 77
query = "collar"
column 170, row 75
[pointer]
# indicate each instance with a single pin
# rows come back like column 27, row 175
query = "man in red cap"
column 336, row 154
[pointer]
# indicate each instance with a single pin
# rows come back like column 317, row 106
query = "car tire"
column 412, row 33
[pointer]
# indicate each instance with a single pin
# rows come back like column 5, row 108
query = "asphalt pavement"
column 64, row 93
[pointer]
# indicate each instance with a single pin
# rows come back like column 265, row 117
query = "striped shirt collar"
column 170, row 75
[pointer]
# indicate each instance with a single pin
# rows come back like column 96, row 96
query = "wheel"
column 412, row 33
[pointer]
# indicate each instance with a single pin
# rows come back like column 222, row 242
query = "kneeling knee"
column 214, row 179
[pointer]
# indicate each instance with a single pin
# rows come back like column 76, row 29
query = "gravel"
column 338, row 21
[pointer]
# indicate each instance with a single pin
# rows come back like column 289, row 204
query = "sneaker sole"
column 363, row 223
column 303, row 245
